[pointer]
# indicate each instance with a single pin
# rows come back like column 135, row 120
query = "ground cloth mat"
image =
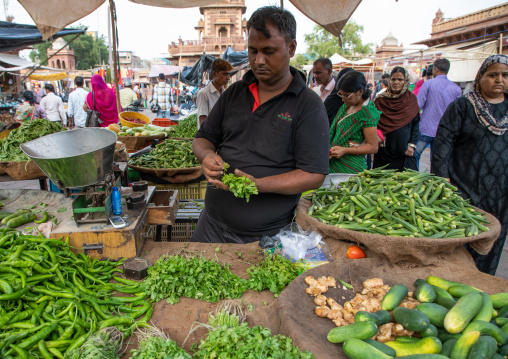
column 419, row 251
column 292, row 313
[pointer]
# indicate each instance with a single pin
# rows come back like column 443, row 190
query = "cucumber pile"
column 401, row 204
column 453, row 320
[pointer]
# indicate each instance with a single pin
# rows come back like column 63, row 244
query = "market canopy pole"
column 115, row 59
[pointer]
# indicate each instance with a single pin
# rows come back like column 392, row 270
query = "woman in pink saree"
column 418, row 86
column 105, row 101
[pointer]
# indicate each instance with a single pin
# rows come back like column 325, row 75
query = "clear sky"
column 148, row 30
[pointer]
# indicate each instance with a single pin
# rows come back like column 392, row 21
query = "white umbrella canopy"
column 332, row 15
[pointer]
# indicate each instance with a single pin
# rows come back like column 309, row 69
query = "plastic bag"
column 296, row 242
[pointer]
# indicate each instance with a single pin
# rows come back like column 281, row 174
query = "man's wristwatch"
column 411, row 145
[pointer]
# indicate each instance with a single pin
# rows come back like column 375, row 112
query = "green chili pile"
column 405, row 204
column 29, row 130
column 52, row 299
column 186, row 128
column 168, row 154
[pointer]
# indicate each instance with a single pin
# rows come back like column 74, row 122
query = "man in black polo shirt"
column 269, row 127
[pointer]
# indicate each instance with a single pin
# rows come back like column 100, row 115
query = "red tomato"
column 355, row 252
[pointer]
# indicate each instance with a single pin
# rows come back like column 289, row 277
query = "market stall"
column 409, row 227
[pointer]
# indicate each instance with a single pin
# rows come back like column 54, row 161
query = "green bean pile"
column 29, row 130
column 52, row 299
column 186, row 128
column 168, row 154
column 407, row 204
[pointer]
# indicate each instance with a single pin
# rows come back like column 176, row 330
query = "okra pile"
column 51, row 299
column 168, row 154
column 402, row 204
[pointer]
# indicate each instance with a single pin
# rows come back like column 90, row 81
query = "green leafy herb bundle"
column 159, row 348
column 241, row 187
column 29, row 130
column 104, row 344
column 244, row 342
column 178, row 276
column 274, row 274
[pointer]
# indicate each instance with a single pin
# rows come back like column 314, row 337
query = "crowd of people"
column 271, row 127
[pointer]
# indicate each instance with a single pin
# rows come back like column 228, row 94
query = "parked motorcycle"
column 134, row 106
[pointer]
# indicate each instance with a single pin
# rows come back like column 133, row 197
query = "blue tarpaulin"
column 18, row 36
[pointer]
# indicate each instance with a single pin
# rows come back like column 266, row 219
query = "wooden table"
column 101, row 240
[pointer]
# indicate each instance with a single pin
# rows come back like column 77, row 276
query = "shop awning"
column 49, row 77
column 49, row 22
column 18, row 63
column 18, row 36
column 167, row 70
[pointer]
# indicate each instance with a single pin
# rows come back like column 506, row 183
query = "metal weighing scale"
column 80, row 162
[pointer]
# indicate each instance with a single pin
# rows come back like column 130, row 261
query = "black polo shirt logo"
column 285, row 116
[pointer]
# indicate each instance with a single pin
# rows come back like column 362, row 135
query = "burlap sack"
column 418, row 251
column 293, row 312
column 134, row 143
column 169, row 174
column 25, row 170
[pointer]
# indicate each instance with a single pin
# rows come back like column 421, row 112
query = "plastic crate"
column 185, row 191
column 163, row 122
column 182, row 230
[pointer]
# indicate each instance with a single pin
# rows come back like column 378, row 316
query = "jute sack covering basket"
column 24, row 170
column 134, row 143
column 293, row 312
column 419, row 251
column 169, row 174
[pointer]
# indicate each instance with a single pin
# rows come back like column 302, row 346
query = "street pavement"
column 502, row 270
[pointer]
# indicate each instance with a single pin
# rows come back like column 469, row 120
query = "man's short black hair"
column 79, row 81
column 283, row 19
column 50, row 87
column 385, row 82
column 443, row 65
column 162, row 76
column 326, row 63
column 385, row 76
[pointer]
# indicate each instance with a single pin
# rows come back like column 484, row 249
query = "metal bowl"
column 74, row 158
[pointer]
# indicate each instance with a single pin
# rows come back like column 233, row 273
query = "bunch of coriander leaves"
column 274, row 274
column 154, row 347
column 241, row 187
column 178, row 276
column 239, row 341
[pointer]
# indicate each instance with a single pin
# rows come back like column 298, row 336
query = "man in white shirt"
column 76, row 114
column 53, row 106
column 209, row 95
column 322, row 70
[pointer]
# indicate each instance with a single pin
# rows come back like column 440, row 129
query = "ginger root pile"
column 369, row 300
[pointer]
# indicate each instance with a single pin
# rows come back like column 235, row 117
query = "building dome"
column 390, row 40
column 59, row 43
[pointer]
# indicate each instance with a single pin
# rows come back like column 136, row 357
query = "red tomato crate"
column 164, row 122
